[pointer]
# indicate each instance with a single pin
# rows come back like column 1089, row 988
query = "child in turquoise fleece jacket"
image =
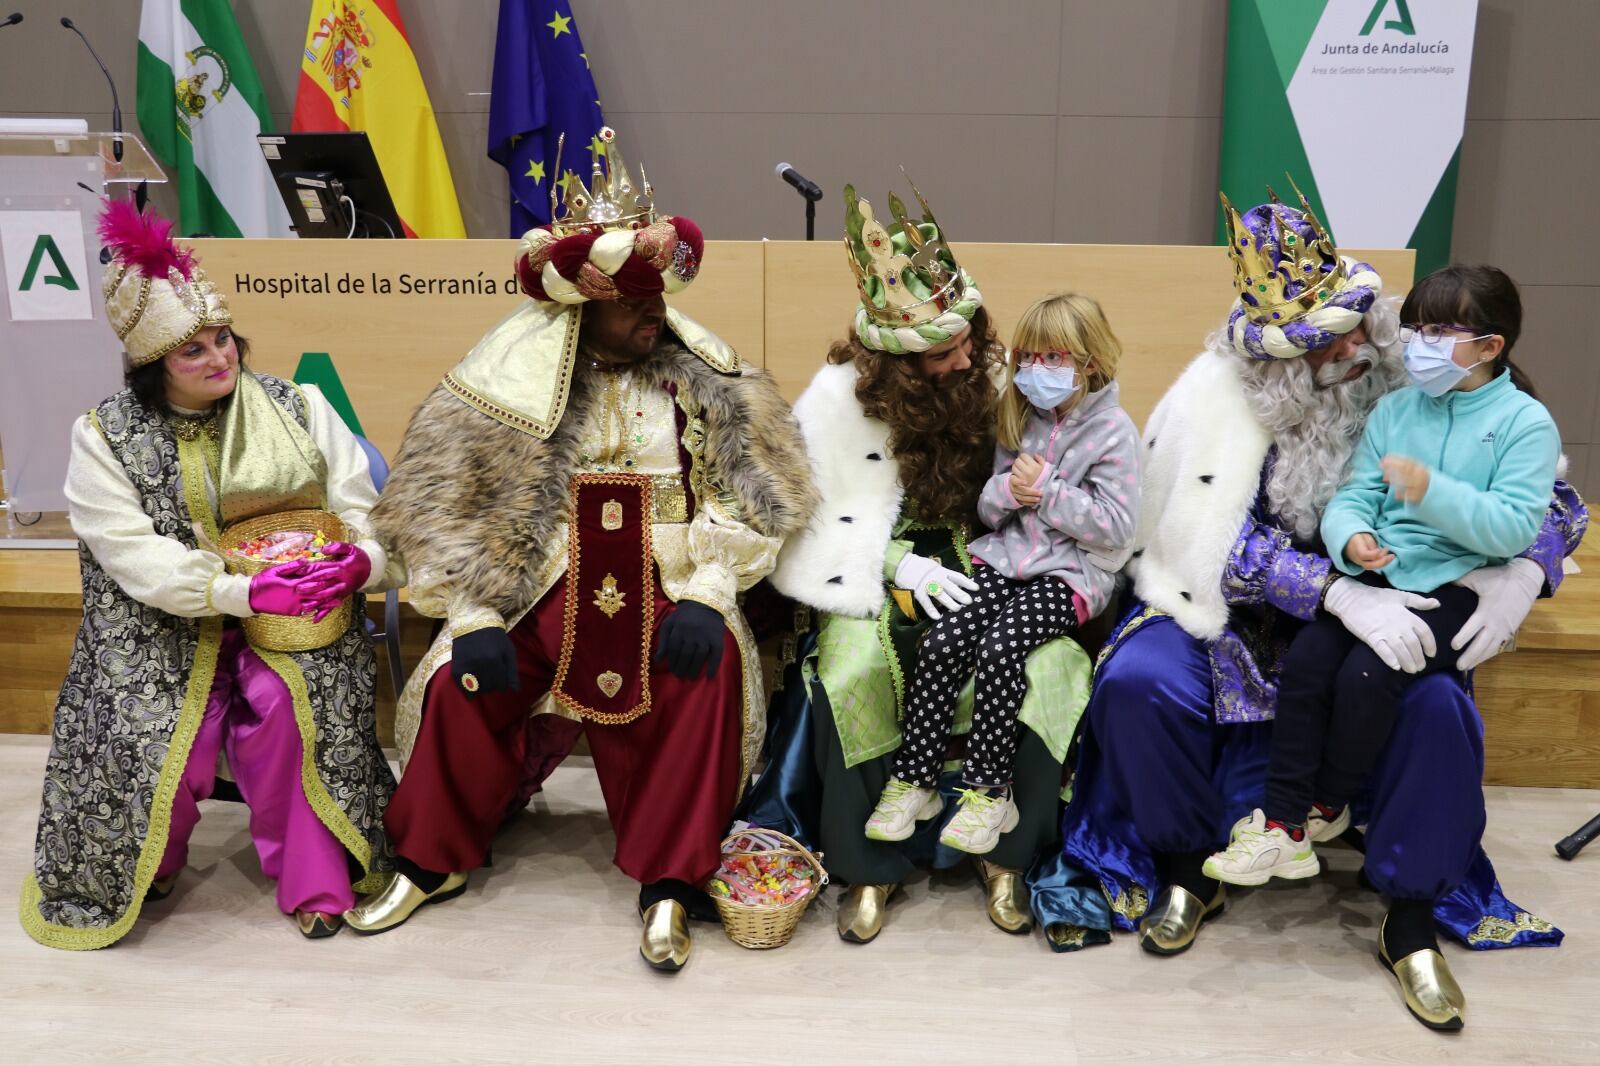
column 1451, row 474
column 1491, row 455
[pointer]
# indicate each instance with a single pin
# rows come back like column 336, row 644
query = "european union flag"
column 542, row 88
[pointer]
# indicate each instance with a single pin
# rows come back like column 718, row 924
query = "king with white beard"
column 1243, row 453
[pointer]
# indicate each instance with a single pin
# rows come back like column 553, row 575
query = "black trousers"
column 995, row 633
column 1336, row 706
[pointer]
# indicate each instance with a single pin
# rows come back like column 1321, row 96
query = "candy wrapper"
column 285, row 546
column 763, row 878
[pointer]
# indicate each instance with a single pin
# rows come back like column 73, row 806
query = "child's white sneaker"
column 979, row 821
column 1324, row 823
column 1258, row 852
column 900, row 808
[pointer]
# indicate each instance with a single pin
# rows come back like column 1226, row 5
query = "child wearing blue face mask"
column 1066, row 483
column 1451, row 474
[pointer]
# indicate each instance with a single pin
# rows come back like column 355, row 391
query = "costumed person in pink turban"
column 165, row 675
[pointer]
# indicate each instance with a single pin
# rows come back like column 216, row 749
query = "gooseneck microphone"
column 11, row 19
column 116, row 105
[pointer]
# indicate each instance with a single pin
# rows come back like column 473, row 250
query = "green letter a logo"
column 1403, row 23
column 46, row 245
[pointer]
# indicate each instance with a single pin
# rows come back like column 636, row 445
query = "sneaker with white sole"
column 1323, row 825
column 1257, row 853
column 900, row 808
column 979, row 821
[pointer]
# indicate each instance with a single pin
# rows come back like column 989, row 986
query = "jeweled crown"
column 610, row 202
column 1281, row 274
column 905, row 272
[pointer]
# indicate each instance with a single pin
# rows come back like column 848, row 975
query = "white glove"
column 1505, row 596
column 1383, row 620
column 931, row 583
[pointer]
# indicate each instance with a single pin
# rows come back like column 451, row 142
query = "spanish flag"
column 358, row 73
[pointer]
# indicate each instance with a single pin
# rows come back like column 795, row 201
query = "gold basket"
column 766, row 925
column 276, row 632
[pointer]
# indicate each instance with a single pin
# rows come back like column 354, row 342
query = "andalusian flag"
column 358, row 73
column 200, row 107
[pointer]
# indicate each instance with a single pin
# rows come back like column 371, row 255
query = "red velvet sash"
column 604, row 670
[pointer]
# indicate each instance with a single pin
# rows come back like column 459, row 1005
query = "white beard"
column 1316, row 426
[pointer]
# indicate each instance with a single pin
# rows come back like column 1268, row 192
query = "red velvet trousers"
column 670, row 777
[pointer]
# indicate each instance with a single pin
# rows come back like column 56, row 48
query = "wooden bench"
column 1540, row 702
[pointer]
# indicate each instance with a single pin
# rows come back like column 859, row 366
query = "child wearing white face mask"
column 1066, row 480
column 1451, row 474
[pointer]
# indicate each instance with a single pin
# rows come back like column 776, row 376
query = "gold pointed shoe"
column 1173, row 921
column 1428, row 987
column 1008, row 898
column 315, row 925
column 666, row 943
column 861, row 912
column 385, row 910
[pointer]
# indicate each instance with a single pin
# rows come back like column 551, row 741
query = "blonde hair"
column 1066, row 322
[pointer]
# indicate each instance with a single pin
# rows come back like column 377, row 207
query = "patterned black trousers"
column 995, row 633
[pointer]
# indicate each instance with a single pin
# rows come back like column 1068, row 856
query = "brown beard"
column 940, row 432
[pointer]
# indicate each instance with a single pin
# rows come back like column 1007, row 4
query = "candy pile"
column 285, row 546
column 765, row 878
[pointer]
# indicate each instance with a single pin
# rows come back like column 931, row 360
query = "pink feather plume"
column 143, row 240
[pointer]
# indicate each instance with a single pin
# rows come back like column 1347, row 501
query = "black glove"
column 691, row 637
column 488, row 656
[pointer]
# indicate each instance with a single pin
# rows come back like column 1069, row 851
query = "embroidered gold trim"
column 610, row 600
column 457, row 632
column 569, row 622
column 70, row 938
column 1502, row 931
column 328, row 812
column 1131, row 904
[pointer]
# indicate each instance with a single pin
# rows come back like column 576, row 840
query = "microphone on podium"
column 11, row 19
column 116, row 105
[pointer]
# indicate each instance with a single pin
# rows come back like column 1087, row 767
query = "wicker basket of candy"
column 763, row 885
column 258, row 544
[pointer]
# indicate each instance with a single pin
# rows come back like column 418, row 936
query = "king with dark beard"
column 899, row 428
column 1244, row 452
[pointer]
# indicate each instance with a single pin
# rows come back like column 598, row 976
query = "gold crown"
column 611, row 201
column 906, row 274
column 1263, row 276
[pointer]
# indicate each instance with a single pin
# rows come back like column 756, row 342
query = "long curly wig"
column 940, row 431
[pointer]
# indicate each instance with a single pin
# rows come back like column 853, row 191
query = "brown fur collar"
column 474, row 504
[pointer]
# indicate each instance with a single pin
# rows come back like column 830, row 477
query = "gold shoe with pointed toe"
column 160, row 889
column 861, row 912
column 1008, row 898
column 665, row 943
column 1173, row 921
column 388, row 909
column 1428, row 987
column 315, row 925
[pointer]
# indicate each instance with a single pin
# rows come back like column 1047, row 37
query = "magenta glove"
column 284, row 590
column 344, row 570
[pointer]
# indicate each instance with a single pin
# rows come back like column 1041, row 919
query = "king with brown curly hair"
column 899, row 427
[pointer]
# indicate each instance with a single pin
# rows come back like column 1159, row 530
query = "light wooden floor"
column 537, row 963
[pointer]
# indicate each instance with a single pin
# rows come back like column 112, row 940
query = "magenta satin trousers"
column 250, row 716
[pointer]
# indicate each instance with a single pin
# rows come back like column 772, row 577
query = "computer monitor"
column 331, row 184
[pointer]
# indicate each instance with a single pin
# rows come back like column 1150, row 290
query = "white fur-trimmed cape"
column 835, row 564
column 1202, row 467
